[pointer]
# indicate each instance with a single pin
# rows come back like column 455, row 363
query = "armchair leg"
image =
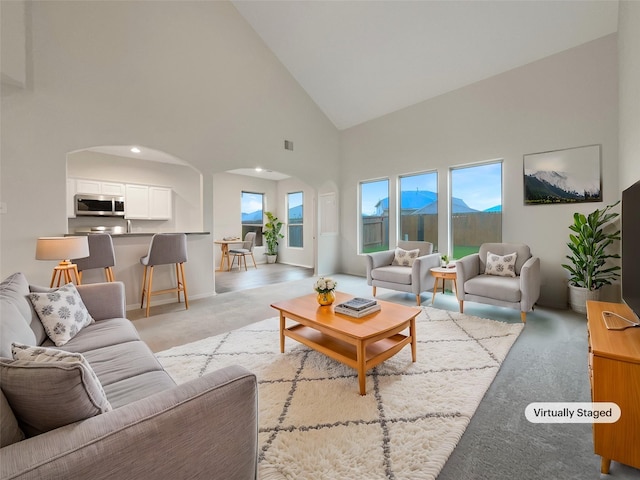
column 374, row 291
column 523, row 317
column 461, row 305
column 418, row 299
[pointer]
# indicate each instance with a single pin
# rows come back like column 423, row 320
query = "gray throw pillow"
column 49, row 388
column 62, row 313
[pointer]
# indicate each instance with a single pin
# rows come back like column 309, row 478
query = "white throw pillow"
column 501, row 265
column 405, row 257
column 62, row 313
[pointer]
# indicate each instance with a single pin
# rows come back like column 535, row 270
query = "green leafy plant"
column 445, row 259
column 272, row 233
column 588, row 268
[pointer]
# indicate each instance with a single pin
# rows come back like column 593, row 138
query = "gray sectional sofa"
column 205, row 428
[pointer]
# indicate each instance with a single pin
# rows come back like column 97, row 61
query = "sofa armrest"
column 530, row 283
column 421, row 278
column 466, row 268
column 205, row 428
column 104, row 300
column 378, row 259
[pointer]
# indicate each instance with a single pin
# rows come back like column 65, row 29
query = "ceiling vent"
column 288, row 145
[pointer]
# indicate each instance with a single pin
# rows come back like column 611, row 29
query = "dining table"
column 224, row 247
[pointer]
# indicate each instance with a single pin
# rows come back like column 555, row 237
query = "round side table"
column 444, row 273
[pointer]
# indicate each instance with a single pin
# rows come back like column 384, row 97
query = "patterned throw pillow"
column 49, row 388
column 503, row 266
column 405, row 257
column 62, row 313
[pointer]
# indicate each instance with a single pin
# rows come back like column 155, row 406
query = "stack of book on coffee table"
column 357, row 307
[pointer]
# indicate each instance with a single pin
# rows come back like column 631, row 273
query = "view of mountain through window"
column 294, row 219
column 476, row 207
column 252, row 211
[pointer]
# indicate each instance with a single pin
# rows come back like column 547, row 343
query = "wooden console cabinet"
column 614, row 371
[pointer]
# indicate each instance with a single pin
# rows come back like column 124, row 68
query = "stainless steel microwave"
column 99, row 205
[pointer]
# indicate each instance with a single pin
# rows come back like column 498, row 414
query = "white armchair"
column 384, row 272
column 520, row 291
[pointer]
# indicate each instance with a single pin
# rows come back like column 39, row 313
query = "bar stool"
column 101, row 255
column 164, row 249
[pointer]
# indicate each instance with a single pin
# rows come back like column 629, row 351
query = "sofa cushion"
column 125, row 360
column 13, row 327
column 405, row 258
column 62, row 312
column 17, row 314
column 100, row 334
column 506, row 289
column 501, row 265
column 128, row 390
column 56, row 389
column 392, row 274
column 9, row 429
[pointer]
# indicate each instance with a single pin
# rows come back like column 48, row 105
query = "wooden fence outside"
column 469, row 229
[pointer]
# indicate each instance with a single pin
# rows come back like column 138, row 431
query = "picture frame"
column 570, row 175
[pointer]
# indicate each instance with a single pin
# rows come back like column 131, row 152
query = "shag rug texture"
column 313, row 424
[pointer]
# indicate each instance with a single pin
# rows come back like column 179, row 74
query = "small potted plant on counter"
column 272, row 236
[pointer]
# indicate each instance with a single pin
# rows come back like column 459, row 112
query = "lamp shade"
column 61, row 248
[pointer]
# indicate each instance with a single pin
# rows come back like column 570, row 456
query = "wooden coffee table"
column 360, row 343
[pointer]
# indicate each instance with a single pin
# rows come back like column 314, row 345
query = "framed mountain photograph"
column 571, row 175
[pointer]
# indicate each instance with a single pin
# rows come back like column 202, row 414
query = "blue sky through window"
column 479, row 186
column 372, row 193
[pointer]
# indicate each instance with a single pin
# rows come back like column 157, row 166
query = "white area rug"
column 315, row 425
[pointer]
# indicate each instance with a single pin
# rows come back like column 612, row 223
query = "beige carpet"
column 315, row 425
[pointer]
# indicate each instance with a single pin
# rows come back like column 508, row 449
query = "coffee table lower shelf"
column 374, row 353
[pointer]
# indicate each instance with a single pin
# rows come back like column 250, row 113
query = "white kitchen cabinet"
column 159, row 203
column 88, row 186
column 110, row 188
column 136, row 202
column 144, row 202
column 96, row 187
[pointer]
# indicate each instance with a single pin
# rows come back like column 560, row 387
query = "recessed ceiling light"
column 258, row 169
column 136, row 150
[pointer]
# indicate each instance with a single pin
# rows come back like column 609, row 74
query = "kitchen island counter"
column 130, row 247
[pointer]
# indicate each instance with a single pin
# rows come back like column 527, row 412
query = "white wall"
column 188, row 78
column 566, row 100
column 629, row 71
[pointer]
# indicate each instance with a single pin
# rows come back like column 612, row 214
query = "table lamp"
column 62, row 249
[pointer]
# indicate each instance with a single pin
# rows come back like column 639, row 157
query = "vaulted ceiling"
column 359, row 60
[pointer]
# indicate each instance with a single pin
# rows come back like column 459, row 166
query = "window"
column 374, row 220
column 294, row 219
column 252, row 210
column 476, row 207
column 419, row 208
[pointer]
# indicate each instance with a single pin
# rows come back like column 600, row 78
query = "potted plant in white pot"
column 272, row 235
column 588, row 267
